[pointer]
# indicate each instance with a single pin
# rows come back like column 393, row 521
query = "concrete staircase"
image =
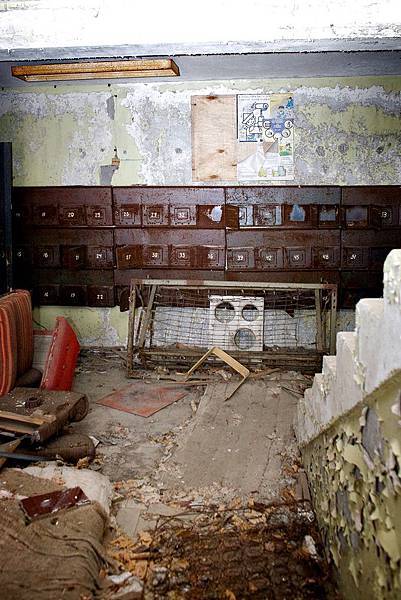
column 365, row 359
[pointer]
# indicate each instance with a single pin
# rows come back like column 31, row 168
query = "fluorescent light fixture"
column 121, row 69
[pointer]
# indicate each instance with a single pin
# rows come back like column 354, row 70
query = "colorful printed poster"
column 266, row 137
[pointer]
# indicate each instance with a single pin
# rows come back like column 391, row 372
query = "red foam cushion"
column 62, row 358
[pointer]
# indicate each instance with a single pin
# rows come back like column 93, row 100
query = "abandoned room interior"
column 200, row 300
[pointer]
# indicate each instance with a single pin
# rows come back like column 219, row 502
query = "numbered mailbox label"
column 297, row 258
column 155, row 215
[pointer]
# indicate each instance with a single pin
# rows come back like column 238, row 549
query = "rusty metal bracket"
column 224, row 356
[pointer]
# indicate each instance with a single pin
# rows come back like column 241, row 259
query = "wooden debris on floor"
column 225, row 357
column 35, row 420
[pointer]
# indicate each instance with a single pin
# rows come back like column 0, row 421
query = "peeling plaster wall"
column 347, row 131
column 354, row 470
column 106, row 327
column 348, row 426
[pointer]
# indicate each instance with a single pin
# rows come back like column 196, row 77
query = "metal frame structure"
column 305, row 360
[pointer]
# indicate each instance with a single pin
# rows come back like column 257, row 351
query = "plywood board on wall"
column 214, row 144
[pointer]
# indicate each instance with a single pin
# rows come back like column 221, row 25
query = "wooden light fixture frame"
column 118, row 69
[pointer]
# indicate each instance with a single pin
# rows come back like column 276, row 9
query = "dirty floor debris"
column 260, row 552
column 206, row 499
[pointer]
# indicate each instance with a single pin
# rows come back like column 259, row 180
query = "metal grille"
column 179, row 320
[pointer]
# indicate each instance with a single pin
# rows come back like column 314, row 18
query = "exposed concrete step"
column 347, row 340
column 329, row 371
column 306, row 422
column 348, row 389
column 370, row 326
column 318, row 403
column 317, row 388
column 365, row 358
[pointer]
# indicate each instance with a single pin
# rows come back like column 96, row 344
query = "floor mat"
column 143, row 399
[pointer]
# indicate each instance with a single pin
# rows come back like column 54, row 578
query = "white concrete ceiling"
column 253, row 25
column 209, row 40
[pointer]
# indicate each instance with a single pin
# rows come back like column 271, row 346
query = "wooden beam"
column 33, row 420
column 159, row 67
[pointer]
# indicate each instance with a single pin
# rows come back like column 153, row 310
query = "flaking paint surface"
column 347, row 130
column 94, row 326
column 354, row 470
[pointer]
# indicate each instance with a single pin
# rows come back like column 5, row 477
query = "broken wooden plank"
column 224, row 356
column 32, row 419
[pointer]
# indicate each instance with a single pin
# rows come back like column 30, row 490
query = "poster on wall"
column 265, row 132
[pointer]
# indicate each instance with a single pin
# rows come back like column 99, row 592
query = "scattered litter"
column 96, row 487
column 132, row 590
column 309, row 547
column 121, row 578
column 274, row 544
column 42, row 505
column 224, row 374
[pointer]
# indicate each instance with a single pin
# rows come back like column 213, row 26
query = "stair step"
column 348, row 340
column 329, row 369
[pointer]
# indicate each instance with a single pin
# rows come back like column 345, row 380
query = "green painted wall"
column 347, row 130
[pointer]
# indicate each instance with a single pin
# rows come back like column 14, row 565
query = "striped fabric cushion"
column 8, row 347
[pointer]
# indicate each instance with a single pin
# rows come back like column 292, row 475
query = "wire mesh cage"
column 274, row 323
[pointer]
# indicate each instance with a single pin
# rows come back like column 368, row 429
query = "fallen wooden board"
column 224, row 356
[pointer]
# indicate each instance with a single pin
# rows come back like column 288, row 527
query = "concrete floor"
column 199, row 445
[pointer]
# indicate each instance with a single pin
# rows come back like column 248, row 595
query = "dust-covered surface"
column 207, row 495
column 201, row 445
